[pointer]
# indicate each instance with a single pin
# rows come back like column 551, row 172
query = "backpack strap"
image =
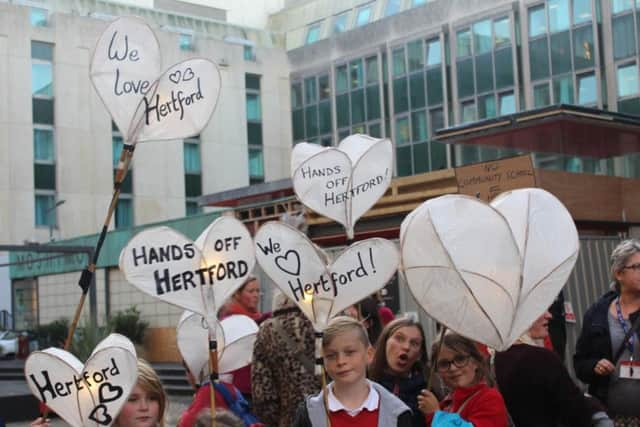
column 634, row 328
column 222, row 389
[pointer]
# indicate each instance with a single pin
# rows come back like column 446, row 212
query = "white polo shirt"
column 371, row 403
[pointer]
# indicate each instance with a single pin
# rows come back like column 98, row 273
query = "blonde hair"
column 342, row 324
column 150, row 382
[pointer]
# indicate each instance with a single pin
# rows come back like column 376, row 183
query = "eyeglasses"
column 634, row 267
column 460, row 361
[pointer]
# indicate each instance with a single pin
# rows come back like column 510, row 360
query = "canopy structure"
column 564, row 129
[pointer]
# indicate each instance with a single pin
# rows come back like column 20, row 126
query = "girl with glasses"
column 472, row 401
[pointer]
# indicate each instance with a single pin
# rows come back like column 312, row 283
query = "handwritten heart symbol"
column 289, row 266
column 322, row 289
column 342, row 183
column 75, row 392
column 100, row 415
column 188, row 75
column 169, row 266
column 528, row 243
column 175, row 76
column 109, row 392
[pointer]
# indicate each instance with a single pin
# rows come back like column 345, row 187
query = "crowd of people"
column 380, row 373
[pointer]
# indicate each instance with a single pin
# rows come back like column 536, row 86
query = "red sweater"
column 485, row 409
column 201, row 402
column 364, row 418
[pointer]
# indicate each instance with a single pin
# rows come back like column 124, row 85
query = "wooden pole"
column 325, row 392
column 433, row 362
column 213, row 377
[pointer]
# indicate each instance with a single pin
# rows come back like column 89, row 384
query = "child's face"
column 346, row 358
column 140, row 410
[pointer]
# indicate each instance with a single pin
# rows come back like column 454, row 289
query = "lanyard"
column 623, row 323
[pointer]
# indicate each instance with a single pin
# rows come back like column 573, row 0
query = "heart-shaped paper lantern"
column 181, row 103
column 342, row 183
column 89, row 395
column 488, row 272
column 234, row 336
column 125, row 64
column 322, row 291
column 548, row 244
column 198, row 276
column 167, row 265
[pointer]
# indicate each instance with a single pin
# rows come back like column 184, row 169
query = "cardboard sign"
column 488, row 271
column 342, row 183
column 89, row 395
column 488, row 179
column 322, row 291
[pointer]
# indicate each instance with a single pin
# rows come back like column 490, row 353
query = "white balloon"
column 342, row 183
column 235, row 337
column 488, row 271
column 322, row 291
column 181, row 103
column 89, row 395
column 126, row 62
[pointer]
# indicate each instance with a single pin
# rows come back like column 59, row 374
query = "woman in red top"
column 472, row 401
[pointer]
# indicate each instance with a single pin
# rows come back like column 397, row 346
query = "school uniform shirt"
column 366, row 414
column 391, row 411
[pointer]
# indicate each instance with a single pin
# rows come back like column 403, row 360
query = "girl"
column 400, row 362
column 472, row 402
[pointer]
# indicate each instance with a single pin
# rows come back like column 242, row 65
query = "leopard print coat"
column 279, row 380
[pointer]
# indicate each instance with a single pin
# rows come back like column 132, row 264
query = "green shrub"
column 128, row 323
column 52, row 334
column 86, row 338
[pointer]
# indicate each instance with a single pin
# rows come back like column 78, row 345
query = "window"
column 38, row 17
column 45, row 212
column 364, row 15
column 507, row 103
column 42, row 79
column 587, row 89
column 186, row 41
column 419, row 131
column 340, row 22
column 539, row 58
column 356, row 73
column 415, row 55
column 192, row 157
column 256, row 164
column 621, row 5
column 324, row 88
column 486, row 107
column 399, row 68
column 248, row 53
column 465, row 78
column 537, row 21
column 254, row 123
column 558, row 15
column 581, row 11
column 463, row 43
column 541, row 96
column 563, row 90
column 313, row 33
column 41, row 50
column 393, row 7
column 561, row 53
column 502, row 31
column 372, row 70
column 296, row 95
column 402, row 130
column 415, row 3
column 482, row 37
column 504, row 68
column 583, row 47
column 624, row 42
column 468, row 111
column 192, row 174
column 627, row 80
column 253, row 107
column 433, row 52
column 342, row 79
column 124, row 212
column 43, row 145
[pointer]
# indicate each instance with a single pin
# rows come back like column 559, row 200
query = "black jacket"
column 594, row 344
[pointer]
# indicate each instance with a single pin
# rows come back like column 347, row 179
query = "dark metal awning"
column 563, row 129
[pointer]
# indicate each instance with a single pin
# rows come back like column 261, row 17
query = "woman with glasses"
column 472, row 401
column 400, row 362
column 604, row 359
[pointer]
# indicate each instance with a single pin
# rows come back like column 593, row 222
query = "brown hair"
column 461, row 345
column 380, row 365
column 342, row 324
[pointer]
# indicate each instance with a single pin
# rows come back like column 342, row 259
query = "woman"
column 464, row 370
column 145, row 406
column 400, row 361
column 537, row 387
column 604, row 327
column 245, row 300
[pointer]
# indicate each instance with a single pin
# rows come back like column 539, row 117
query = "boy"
column 352, row 399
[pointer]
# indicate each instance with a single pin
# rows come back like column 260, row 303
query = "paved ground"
column 176, row 407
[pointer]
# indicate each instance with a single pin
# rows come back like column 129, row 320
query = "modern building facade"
column 318, row 71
